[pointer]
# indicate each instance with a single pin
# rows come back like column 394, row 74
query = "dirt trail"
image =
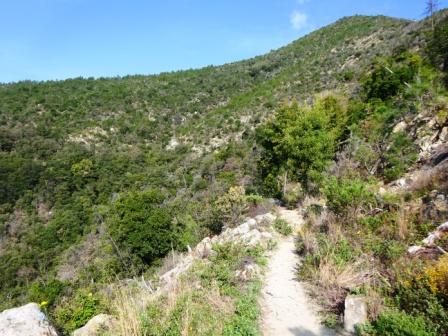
column 285, row 306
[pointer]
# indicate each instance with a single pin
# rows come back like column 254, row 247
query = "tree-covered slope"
column 103, row 177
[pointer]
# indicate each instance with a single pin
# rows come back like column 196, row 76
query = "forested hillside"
column 101, row 178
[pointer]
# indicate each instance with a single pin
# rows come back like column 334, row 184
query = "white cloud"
column 299, row 20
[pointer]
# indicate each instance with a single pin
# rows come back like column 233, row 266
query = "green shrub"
column 75, row 313
column 345, row 195
column 282, row 227
column 142, row 224
column 48, row 292
column 231, row 205
column 416, row 296
column 389, row 76
column 400, row 156
column 399, row 324
column 299, row 142
column 389, row 250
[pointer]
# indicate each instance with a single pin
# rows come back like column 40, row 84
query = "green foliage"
column 17, row 175
column 300, row 141
column 246, row 317
column 48, row 292
column 401, row 155
column 390, row 76
column 344, row 196
column 388, row 250
column 141, row 224
column 416, row 297
column 74, row 314
column 223, row 305
column 231, row 206
column 399, row 324
column 282, row 227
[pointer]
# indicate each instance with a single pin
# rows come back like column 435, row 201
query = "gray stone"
column 265, row 219
column 96, row 326
column 266, row 236
column 252, row 223
column 252, row 238
column 242, row 229
column 400, row 127
column 444, row 134
column 355, row 312
column 27, row 320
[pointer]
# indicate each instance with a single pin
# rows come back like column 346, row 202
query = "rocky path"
column 286, row 309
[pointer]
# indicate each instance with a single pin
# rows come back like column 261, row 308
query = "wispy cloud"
column 299, row 20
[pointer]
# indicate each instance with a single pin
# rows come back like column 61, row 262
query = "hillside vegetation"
column 101, row 179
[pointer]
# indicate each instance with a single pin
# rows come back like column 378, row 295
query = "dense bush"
column 399, row 324
column 401, row 155
column 74, row 314
column 415, row 296
column 299, row 142
column 231, row 205
column 46, row 292
column 141, row 224
column 389, row 76
column 346, row 195
column 17, row 175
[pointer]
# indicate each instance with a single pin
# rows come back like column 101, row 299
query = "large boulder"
column 27, row 320
column 96, row 326
column 355, row 312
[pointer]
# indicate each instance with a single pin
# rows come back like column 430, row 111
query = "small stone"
column 444, row 134
column 266, row 219
column 400, row 127
column 252, row 223
column 252, row 238
column 242, row 229
column 355, row 312
column 266, row 235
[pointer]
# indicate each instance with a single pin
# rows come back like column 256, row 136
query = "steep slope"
column 102, row 178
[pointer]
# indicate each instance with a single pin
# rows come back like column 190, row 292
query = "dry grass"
column 403, row 221
column 335, row 280
column 348, row 276
column 170, row 261
column 375, row 303
column 129, row 304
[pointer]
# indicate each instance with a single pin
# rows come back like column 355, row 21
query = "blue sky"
column 57, row 39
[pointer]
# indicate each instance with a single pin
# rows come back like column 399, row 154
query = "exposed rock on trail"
column 285, row 306
column 27, row 320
